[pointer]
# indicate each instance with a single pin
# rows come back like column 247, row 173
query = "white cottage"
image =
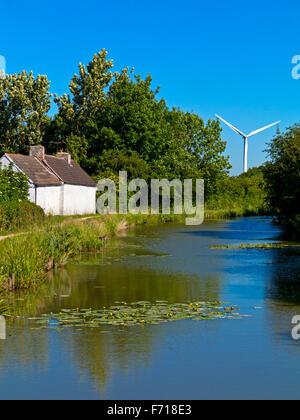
column 56, row 183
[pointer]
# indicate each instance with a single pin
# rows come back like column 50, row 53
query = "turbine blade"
column 231, row 126
column 262, row 129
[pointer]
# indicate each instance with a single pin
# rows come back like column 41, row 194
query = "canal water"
column 253, row 357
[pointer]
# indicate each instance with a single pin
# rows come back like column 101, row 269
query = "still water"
column 253, row 357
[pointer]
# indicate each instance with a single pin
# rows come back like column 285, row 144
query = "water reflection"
column 171, row 263
column 283, row 297
column 125, row 272
column 285, row 277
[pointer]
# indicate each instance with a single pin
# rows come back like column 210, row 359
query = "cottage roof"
column 71, row 174
column 35, row 170
column 52, row 171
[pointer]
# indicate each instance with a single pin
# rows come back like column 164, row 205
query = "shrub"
column 13, row 185
column 19, row 215
column 282, row 175
column 245, row 192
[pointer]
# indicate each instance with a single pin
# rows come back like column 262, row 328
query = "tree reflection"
column 122, row 274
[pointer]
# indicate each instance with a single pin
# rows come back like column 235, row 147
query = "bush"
column 19, row 215
column 282, row 175
column 245, row 192
column 16, row 212
column 13, row 185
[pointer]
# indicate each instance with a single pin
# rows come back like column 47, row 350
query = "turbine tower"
column 245, row 137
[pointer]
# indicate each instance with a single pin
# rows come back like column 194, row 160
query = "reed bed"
column 25, row 260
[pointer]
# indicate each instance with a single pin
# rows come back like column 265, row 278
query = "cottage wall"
column 31, row 191
column 49, row 199
column 5, row 162
column 79, row 200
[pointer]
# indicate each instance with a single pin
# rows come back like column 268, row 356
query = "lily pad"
column 139, row 314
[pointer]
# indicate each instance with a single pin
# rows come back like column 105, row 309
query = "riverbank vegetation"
column 243, row 195
column 16, row 212
column 25, row 259
column 282, row 177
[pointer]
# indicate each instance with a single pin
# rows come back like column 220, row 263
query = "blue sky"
column 232, row 58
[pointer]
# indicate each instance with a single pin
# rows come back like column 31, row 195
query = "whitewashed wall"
column 79, row 200
column 5, row 162
column 31, row 196
column 49, row 198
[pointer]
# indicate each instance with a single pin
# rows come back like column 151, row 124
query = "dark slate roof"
column 71, row 174
column 35, row 170
column 52, row 171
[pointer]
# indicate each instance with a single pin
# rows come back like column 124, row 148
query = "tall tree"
column 282, row 174
column 77, row 110
column 206, row 148
column 132, row 119
column 24, row 104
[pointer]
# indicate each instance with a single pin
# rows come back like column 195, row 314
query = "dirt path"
column 12, row 235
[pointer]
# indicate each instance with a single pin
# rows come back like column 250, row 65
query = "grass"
column 24, row 260
column 234, row 212
column 50, row 221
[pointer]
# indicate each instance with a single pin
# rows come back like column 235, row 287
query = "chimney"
column 66, row 156
column 37, row 152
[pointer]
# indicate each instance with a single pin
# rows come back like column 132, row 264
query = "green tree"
column 206, row 148
column 78, row 110
column 282, row 174
column 116, row 120
column 24, row 104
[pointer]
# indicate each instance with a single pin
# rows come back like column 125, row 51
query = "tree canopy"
column 110, row 121
column 114, row 120
column 282, row 174
column 24, row 104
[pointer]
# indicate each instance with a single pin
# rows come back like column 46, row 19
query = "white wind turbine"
column 245, row 137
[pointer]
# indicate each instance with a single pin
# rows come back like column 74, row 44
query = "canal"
column 252, row 357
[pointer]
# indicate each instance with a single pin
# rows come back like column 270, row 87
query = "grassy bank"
column 24, row 260
column 32, row 220
column 235, row 212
